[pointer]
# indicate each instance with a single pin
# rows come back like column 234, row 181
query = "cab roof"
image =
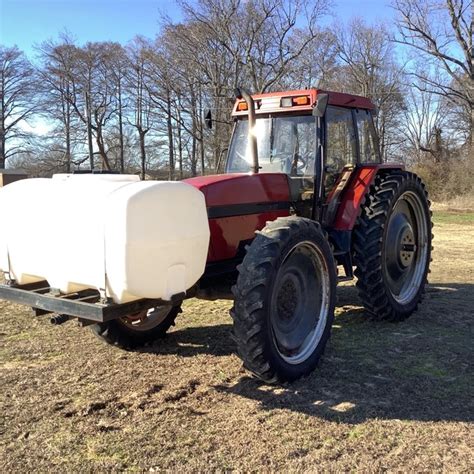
column 298, row 101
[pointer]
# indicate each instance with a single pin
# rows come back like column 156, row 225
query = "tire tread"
column 368, row 242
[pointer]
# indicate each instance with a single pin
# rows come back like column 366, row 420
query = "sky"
column 28, row 22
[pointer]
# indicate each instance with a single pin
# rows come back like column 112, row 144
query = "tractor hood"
column 237, row 206
column 231, row 191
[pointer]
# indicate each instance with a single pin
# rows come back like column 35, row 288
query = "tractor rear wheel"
column 284, row 300
column 392, row 245
column 139, row 329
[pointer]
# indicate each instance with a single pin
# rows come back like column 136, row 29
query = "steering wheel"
column 241, row 157
column 301, row 163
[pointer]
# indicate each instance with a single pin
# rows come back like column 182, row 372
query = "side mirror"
column 321, row 105
column 208, row 119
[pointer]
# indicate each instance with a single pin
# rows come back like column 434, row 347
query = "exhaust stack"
column 243, row 94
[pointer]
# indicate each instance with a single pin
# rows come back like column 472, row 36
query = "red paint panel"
column 229, row 189
column 240, row 188
column 228, row 232
column 348, row 100
column 351, row 201
column 203, row 181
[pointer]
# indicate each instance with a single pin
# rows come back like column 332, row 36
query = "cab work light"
column 290, row 101
column 301, row 100
column 242, row 106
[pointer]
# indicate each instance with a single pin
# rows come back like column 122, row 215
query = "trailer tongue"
column 85, row 305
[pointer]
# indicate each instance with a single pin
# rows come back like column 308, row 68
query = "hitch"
column 59, row 319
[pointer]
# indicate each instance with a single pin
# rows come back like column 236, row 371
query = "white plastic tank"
column 130, row 239
column 25, row 229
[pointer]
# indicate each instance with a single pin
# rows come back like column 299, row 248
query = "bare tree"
column 442, row 32
column 118, row 63
column 201, row 80
column 175, row 82
column 159, row 88
column 141, row 117
column 229, row 43
column 263, row 38
column 93, row 95
column 368, row 68
column 100, row 87
column 57, row 73
column 80, row 98
column 317, row 66
column 424, row 119
column 17, row 101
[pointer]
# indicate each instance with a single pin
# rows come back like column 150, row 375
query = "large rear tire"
column 136, row 330
column 392, row 245
column 284, row 300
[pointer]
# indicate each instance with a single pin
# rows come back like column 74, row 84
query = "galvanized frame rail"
column 85, row 304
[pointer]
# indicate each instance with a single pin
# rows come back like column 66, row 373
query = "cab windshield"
column 286, row 144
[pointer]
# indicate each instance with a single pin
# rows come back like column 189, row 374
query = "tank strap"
column 103, row 291
column 8, row 278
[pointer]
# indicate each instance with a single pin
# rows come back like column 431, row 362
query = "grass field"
column 385, row 397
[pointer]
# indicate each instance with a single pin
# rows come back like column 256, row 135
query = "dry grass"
column 458, row 204
column 386, row 396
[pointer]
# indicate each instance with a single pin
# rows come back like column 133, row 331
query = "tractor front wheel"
column 392, row 245
column 284, row 300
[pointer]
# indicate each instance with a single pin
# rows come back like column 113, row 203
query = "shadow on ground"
column 192, row 341
column 420, row 369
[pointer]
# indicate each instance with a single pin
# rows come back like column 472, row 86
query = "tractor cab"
column 290, row 139
column 303, row 153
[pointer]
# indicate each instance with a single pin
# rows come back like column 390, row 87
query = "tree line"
column 140, row 107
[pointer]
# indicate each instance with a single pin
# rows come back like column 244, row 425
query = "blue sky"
column 26, row 22
column 29, row 22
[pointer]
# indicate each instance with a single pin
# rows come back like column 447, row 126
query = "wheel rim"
column 300, row 303
column 406, row 247
column 147, row 319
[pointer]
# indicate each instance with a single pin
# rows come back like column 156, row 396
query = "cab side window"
column 367, row 137
column 341, row 142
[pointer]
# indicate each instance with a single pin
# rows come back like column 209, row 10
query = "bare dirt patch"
column 386, row 396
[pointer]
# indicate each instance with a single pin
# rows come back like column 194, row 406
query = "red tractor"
column 305, row 193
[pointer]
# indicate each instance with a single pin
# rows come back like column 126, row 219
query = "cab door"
column 367, row 137
column 341, row 145
column 340, row 157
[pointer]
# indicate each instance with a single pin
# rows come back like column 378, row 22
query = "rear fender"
column 354, row 194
